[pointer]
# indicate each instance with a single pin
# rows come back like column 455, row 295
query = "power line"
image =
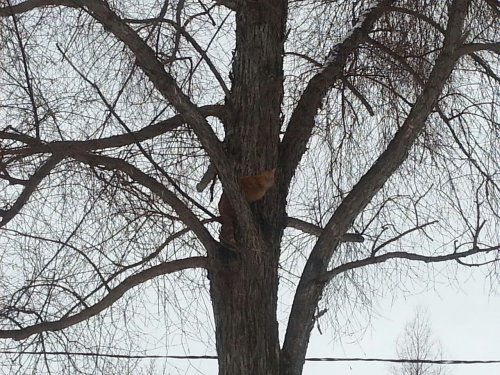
column 312, row 359
column 402, row 360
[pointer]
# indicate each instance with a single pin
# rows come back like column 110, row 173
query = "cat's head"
column 267, row 177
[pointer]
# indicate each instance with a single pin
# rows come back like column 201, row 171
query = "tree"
column 380, row 118
column 418, row 343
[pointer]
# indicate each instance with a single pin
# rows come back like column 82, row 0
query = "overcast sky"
column 466, row 321
column 465, row 317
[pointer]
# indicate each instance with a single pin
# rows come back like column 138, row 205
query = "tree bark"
column 252, row 137
column 312, row 281
column 244, row 294
column 244, row 288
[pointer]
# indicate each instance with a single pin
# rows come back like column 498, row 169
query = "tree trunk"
column 252, row 135
column 244, row 288
column 244, row 295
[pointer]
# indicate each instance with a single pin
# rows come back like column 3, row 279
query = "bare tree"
column 380, row 117
column 418, row 343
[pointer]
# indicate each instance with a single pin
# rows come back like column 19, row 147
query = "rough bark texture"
column 244, row 294
column 312, row 283
column 244, row 288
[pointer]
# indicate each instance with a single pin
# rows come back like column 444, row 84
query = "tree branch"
column 315, row 230
column 360, row 96
column 476, row 47
column 68, row 147
column 301, row 123
column 113, row 295
column 376, row 249
column 310, row 285
column 30, row 187
column 193, row 42
column 185, row 214
column 27, row 76
column 402, row 255
column 487, row 69
column 146, row 154
column 208, row 176
column 26, row 6
column 418, row 15
column 164, row 82
column 146, row 59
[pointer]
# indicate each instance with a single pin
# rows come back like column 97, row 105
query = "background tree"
column 417, row 342
column 381, row 118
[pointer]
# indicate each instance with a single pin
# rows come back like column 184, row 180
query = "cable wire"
column 203, row 357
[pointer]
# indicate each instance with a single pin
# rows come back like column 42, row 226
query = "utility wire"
column 312, row 359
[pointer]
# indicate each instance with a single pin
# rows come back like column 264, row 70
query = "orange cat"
column 253, row 189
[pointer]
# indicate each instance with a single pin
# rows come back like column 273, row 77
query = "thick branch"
column 476, row 47
column 68, row 147
column 208, row 176
column 164, row 82
column 185, row 214
column 301, row 122
column 310, row 286
column 146, row 59
column 230, row 4
column 30, row 188
column 487, row 69
column 26, row 6
column 315, row 230
column 113, row 295
column 401, row 255
column 194, row 43
column 64, row 149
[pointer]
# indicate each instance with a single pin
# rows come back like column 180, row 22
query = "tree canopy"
column 124, row 121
